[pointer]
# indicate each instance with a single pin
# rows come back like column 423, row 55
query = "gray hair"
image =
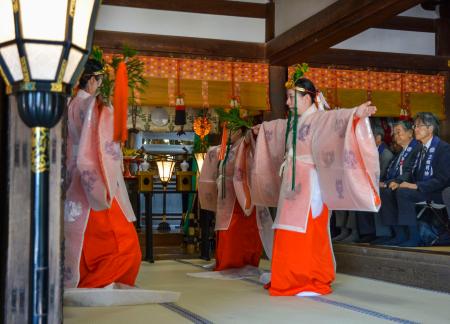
column 407, row 125
column 378, row 131
column 429, row 119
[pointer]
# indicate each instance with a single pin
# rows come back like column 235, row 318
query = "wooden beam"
column 277, row 92
column 424, row 25
column 445, row 124
column 213, row 7
column 334, row 24
column 180, row 46
column 270, row 21
column 443, row 30
column 381, row 60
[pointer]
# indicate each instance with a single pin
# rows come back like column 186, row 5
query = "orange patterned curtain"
column 392, row 93
column 205, row 83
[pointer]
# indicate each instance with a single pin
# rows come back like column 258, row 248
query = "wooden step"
column 167, row 246
column 418, row 268
column 163, row 239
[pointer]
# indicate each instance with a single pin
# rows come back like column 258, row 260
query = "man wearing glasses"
column 430, row 176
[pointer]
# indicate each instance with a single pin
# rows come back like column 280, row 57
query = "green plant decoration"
column 233, row 119
column 136, row 79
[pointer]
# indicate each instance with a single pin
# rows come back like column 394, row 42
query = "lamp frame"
column 41, row 104
column 57, row 84
column 164, row 226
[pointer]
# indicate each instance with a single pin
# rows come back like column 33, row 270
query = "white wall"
column 289, row 13
column 396, row 41
column 161, row 22
column 417, row 11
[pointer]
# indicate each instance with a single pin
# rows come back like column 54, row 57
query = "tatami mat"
column 355, row 300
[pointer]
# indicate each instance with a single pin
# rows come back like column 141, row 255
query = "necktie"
column 423, row 154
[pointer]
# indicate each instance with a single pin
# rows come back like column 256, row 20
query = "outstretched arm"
column 365, row 110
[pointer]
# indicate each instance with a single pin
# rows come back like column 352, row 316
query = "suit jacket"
column 385, row 158
column 441, row 171
column 407, row 167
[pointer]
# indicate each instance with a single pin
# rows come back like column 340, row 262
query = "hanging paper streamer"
column 180, row 108
column 121, row 103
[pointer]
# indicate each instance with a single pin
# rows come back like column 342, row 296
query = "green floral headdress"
column 300, row 70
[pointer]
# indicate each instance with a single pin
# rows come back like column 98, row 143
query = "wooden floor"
column 354, row 300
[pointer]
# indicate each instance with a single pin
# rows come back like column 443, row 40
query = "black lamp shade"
column 44, row 44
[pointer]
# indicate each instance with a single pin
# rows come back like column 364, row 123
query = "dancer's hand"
column 255, row 129
column 365, row 110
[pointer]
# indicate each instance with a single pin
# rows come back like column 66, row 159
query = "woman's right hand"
column 365, row 110
column 255, row 129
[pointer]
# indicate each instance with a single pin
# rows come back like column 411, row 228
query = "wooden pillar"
column 18, row 225
column 443, row 30
column 270, row 20
column 277, row 92
column 443, row 49
column 445, row 124
column 3, row 194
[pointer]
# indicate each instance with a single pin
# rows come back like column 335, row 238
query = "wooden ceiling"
column 309, row 40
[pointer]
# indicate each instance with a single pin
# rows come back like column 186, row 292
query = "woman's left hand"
column 365, row 110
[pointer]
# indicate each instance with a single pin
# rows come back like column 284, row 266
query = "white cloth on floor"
column 307, row 294
column 116, row 294
column 229, row 274
column 265, row 278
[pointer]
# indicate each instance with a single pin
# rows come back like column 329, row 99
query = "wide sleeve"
column 207, row 185
column 88, row 161
column 265, row 181
column 346, row 158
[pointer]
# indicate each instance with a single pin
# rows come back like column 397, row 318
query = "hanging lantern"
column 180, row 108
column 180, row 111
column 234, row 103
column 404, row 114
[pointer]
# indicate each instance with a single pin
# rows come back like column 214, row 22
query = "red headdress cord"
column 121, row 103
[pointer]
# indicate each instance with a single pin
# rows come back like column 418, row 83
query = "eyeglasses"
column 420, row 125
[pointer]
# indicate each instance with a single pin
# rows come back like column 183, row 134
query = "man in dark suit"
column 429, row 176
column 399, row 170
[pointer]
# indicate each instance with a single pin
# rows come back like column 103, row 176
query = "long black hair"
column 90, row 68
column 308, row 86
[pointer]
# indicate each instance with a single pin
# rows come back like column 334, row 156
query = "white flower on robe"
column 72, row 210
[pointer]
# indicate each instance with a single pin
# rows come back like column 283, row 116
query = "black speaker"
column 145, row 181
column 184, row 180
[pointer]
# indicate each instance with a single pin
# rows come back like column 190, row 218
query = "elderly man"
column 399, row 170
column 430, row 175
